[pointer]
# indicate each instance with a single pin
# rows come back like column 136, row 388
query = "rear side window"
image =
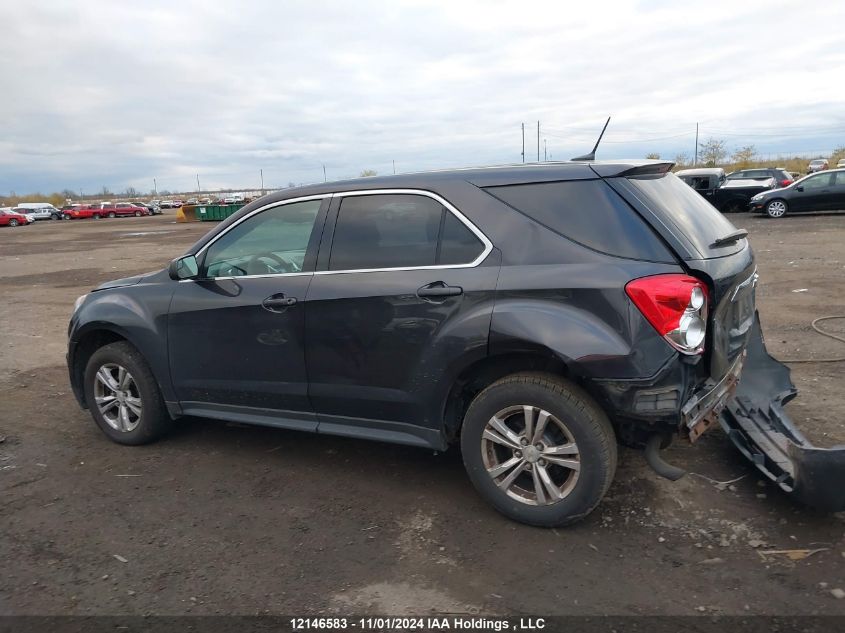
column 399, row 231
column 588, row 212
column 676, row 204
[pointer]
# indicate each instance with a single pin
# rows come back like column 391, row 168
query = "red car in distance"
column 80, row 212
column 10, row 218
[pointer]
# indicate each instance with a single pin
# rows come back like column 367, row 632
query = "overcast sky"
column 113, row 93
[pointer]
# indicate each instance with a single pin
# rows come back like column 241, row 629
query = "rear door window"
column 383, row 231
column 590, row 213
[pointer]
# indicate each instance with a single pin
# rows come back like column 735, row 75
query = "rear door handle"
column 278, row 302
column 438, row 290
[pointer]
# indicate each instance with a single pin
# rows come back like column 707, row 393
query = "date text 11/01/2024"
column 446, row 623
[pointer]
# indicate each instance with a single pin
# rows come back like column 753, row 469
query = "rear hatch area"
column 712, row 249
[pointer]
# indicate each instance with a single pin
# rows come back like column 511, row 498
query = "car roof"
column 482, row 176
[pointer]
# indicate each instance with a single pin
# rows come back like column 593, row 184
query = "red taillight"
column 676, row 305
column 785, row 183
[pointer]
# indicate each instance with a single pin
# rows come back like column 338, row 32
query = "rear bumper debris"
column 756, row 423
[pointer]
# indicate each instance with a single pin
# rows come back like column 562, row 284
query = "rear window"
column 588, row 212
column 677, row 205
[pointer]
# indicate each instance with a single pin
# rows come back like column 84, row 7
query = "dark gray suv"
column 536, row 315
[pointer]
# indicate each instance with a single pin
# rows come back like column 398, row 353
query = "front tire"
column 123, row 395
column 96, row 216
column 776, row 208
column 13, row 222
column 137, row 214
column 538, row 449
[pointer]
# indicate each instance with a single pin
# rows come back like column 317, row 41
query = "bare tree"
column 653, row 156
column 130, row 192
column 368, row 172
column 712, row 152
column 744, row 156
column 682, row 159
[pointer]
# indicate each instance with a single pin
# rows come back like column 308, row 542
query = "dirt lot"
column 228, row 519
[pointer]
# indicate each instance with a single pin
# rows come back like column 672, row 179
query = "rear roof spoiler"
column 655, row 168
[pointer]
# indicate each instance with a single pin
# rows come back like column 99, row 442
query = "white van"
column 41, row 210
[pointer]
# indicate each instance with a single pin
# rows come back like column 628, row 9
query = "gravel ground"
column 223, row 518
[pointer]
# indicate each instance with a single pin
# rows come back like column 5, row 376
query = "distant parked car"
column 819, row 164
column 112, row 210
column 166, row 204
column 81, row 212
column 192, row 201
column 151, row 210
column 782, row 177
column 30, row 217
column 840, row 163
column 8, row 217
column 42, row 210
column 228, row 200
column 130, row 208
column 816, row 192
column 41, row 213
column 705, row 181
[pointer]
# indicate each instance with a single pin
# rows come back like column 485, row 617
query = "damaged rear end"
column 762, row 431
column 738, row 384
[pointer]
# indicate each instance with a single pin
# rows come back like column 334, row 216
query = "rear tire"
column 96, row 216
column 561, row 472
column 123, row 395
column 137, row 214
column 776, row 208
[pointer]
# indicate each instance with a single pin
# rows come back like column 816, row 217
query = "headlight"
column 759, row 196
column 78, row 303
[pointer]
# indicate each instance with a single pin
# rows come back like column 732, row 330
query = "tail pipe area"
column 657, row 463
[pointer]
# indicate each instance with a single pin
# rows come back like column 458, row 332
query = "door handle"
column 438, row 290
column 278, row 303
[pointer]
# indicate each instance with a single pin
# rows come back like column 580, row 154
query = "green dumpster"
column 217, row 212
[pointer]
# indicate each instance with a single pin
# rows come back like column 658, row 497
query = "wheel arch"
column 93, row 337
column 484, row 372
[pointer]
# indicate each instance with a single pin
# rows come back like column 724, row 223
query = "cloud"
column 116, row 94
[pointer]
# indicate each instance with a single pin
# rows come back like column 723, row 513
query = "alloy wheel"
column 117, row 397
column 531, row 455
column 776, row 208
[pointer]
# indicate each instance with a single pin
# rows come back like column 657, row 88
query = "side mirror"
column 183, row 268
column 799, row 188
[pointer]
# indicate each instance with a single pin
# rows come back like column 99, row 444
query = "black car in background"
column 823, row 191
column 705, row 180
column 730, row 193
column 535, row 315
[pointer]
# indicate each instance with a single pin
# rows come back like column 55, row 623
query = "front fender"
column 136, row 313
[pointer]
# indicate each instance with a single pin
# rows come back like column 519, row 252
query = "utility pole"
column 261, row 171
column 394, row 167
column 538, row 141
column 324, row 173
column 523, row 142
column 198, row 184
column 545, row 153
column 155, row 188
column 695, row 161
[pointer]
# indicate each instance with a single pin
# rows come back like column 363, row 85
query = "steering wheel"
column 257, row 264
